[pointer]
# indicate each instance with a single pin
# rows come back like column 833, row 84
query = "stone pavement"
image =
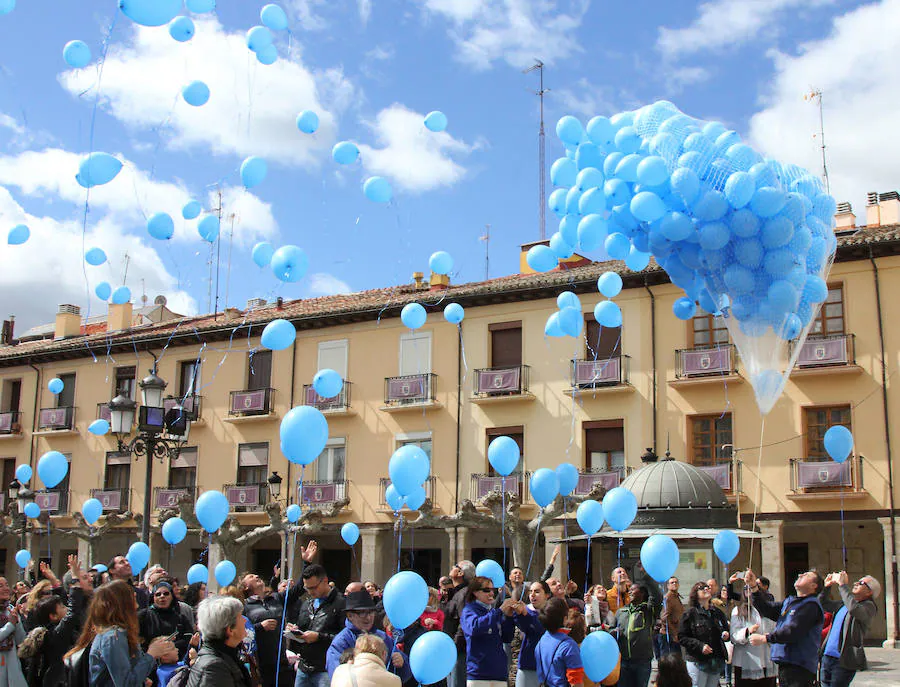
column 884, row 669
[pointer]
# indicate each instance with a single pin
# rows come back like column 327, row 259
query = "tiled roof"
column 373, row 304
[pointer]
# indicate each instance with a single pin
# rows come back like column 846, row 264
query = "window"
column 8, row 468
column 118, row 470
column 333, row 356
column 517, row 434
column 817, row 421
column 188, row 378
column 709, row 331
column 602, row 342
column 331, row 464
column 125, row 382
column 830, row 319
column 415, row 353
column 506, row 344
column 710, row 439
column 604, row 445
column 259, row 370
column 12, row 394
column 420, row 439
column 66, row 397
column 253, row 463
column 183, row 469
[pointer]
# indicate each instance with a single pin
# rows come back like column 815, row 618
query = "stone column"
column 890, row 594
column 216, row 556
column 84, row 554
column 463, row 545
column 450, row 559
column 772, row 548
column 560, row 571
column 370, row 556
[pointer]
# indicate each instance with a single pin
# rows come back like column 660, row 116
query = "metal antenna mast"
column 816, row 95
column 538, row 67
column 487, row 251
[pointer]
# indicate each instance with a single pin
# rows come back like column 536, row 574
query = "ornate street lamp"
column 22, row 496
column 275, row 481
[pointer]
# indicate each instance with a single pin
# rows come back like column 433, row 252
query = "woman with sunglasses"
column 485, row 629
column 702, row 635
column 163, row 619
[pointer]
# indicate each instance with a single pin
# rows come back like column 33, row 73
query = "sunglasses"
column 488, row 590
column 863, row 583
column 162, row 594
column 703, row 588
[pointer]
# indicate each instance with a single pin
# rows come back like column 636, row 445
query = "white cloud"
column 854, row 68
column 413, row 157
column 252, row 107
column 324, row 284
column 306, row 14
column 365, row 10
column 587, row 100
column 516, row 31
column 722, row 24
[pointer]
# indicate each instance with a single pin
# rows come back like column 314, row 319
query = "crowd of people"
column 105, row 628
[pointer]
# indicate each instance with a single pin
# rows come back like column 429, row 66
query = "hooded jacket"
column 798, row 629
column 346, row 639
column 486, row 630
column 634, row 625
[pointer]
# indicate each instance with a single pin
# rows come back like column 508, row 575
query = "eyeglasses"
column 488, row 590
column 162, row 594
column 863, row 583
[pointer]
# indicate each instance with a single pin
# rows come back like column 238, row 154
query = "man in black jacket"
column 320, row 618
column 120, row 569
column 462, row 573
column 842, row 652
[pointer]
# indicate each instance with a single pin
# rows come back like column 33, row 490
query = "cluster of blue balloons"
column 260, row 39
column 568, row 319
column 304, row 433
column 838, row 443
column 211, row 510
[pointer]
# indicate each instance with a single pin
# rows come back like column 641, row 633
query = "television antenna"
column 538, row 67
column 816, row 95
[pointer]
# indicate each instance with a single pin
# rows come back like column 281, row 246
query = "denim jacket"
column 111, row 662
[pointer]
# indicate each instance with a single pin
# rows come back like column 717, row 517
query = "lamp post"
column 160, row 434
column 275, row 480
column 22, row 495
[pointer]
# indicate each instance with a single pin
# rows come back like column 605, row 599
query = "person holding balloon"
column 486, row 628
column 12, row 634
column 532, row 630
column 164, row 619
column 752, row 665
column 320, row 619
column 633, row 629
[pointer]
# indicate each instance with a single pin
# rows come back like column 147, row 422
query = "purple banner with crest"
column 823, row 352
column 493, row 381
column 720, row 473
column 586, row 481
column 168, row 498
column 55, row 417
column 111, row 499
column 319, row 493
column 406, row 388
column 248, row 401
column 6, row 422
column 706, row 361
column 598, row 371
column 824, row 474
column 243, row 496
column 47, row 500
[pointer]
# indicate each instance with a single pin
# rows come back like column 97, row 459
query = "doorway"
column 796, row 561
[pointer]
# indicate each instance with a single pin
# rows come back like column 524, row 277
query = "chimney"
column 439, row 282
column 68, row 321
column 419, row 280
column 279, row 303
column 120, row 317
column 844, row 217
column 255, row 303
column 889, row 203
column 7, row 334
column 873, row 210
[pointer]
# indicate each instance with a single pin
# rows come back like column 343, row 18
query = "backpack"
column 32, row 644
column 180, row 677
column 79, row 668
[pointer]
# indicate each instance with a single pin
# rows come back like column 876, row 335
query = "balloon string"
column 756, row 501
column 587, row 567
column 399, row 539
column 533, row 547
column 566, row 523
column 663, row 590
column 503, row 516
column 287, row 591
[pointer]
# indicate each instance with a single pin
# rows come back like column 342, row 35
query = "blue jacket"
column 532, row 631
column 798, row 629
column 485, row 630
column 112, row 663
column 346, row 639
column 555, row 654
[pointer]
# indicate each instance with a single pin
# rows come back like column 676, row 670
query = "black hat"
column 359, row 601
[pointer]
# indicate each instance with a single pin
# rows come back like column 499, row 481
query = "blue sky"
column 372, row 69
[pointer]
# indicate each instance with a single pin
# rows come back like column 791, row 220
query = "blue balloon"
column 408, row 468
column 196, row 93
column 56, row 385
column 345, row 153
column 174, row 530
column 91, row 509
column 552, row 328
column 273, row 17
column 617, row 246
column 52, row 468
column 652, row 171
column 77, row 54
column 350, row 533
column 24, row 473
column 413, row 315
column 590, row 517
column 608, row 314
column 99, row 427
column 416, row 499
column 138, row 555
column 293, row 513
column 541, row 258
column 150, row 12
column 503, row 455
column 599, row 655
column 200, row 6
column 121, row 295
column 838, row 443
column 659, row 556
column 307, row 121
column 491, row 570
column 211, row 510
column 393, row 498
column 259, row 37
column 684, row 308
column 435, row 121
column 32, row 510
column 378, row 190
column 198, row 573
column 454, row 313
column 181, row 29
column 23, row 558
column 569, row 130
column 567, row 474
column 563, row 172
column 328, row 383
column 253, row 171
column 619, row 508
column 637, row 260
column 567, row 299
column 262, row 253
column 191, row 209
column 304, row 432
column 560, row 248
column 739, row 189
column 267, row 55
column 609, row 284
column 726, row 545
column 225, row 572
column 592, row 231
column 405, row 597
column 432, row 657
column 570, row 321
column 161, row 226
column 440, row 262
column 289, row 263
column 544, row 486
column 647, row 206
column 278, row 335
column 95, row 256
column 18, row 235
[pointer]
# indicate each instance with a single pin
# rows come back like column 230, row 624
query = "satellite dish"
column 160, row 300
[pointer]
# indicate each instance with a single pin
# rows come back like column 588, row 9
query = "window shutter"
column 506, row 347
column 415, row 354
column 333, row 356
column 253, row 455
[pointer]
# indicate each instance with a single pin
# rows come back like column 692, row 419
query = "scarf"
column 10, row 642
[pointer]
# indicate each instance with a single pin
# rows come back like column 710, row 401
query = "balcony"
column 318, row 494
column 610, row 479
column 191, row 404
column 728, row 475
column 813, row 479
column 168, row 497
column 246, row 498
column 56, row 420
column 252, row 404
column 385, row 481
column 704, row 365
column 483, row 484
column 409, row 392
column 10, row 423
column 339, row 405
column 835, row 354
column 115, row 500
column 590, row 376
column 52, row 501
column 502, row 384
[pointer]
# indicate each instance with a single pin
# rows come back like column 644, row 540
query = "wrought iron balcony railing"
column 814, row 476
column 704, row 362
column 385, row 481
column 244, row 498
column 251, row 402
column 338, row 403
column 827, row 351
column 502, row 381
column 483, row 484
column 56, row 419
column 728, row 474
column 320, row 493
column 168, row 497
column 10, row 422
column 113, row 500
column 590, row 374
column 409, row 389
column 53, row 501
